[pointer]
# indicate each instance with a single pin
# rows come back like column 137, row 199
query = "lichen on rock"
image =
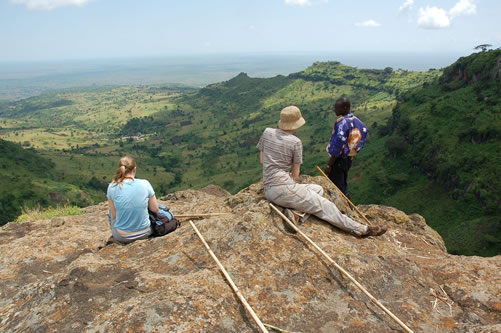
column 66, row 276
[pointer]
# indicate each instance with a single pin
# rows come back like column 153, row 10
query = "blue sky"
column 81, row 29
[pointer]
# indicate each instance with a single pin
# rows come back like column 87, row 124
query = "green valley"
column 423, row 155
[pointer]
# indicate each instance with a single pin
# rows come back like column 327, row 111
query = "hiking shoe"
column 293, row 218
column 375, row 230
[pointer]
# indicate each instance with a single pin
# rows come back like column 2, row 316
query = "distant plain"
column 20, row 80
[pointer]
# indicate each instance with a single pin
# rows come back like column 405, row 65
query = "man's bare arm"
column 331, row 162
column 295, row 171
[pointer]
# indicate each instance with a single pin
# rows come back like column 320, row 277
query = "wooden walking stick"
column 228, row 278
column 344, row 196
column 372, row 298
column 193, row 216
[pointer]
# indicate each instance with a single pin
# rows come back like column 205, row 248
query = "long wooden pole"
column 344, row 196
column 372, row 298
column 233, row 286
column 199, row 215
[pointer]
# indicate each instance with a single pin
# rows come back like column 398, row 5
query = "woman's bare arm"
column 113, row 210
column 153, row 204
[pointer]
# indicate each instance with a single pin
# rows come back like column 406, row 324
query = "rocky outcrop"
column 63, row 275
column 483, row 66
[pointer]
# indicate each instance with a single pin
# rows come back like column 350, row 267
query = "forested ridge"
column 440, row 155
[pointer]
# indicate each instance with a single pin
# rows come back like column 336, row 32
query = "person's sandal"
column 375, row 230
column 293, row 218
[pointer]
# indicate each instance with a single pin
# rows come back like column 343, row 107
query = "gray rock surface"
column 62, row 275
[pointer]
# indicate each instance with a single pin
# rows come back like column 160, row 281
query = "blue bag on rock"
column 162, row 222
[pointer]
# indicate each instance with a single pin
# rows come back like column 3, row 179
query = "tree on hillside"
column 482, row 47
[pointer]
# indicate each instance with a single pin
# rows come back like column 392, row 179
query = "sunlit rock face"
column 63, row 275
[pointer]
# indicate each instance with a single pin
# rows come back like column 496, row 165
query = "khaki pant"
column 308, row 198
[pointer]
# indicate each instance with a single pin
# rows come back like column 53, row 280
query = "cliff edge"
column 62, row 274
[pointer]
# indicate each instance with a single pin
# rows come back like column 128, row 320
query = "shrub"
column 36, row 213
column 396, row 145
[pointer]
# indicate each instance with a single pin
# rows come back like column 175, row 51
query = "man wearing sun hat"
column 282, row 156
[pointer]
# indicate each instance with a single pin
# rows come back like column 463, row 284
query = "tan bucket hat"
column 291, row 118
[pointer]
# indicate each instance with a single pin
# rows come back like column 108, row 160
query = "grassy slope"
column 429, row 159
column 244, row 106
column 29, row 180
column 225, row 121
column 76, row 133
column 445, row 157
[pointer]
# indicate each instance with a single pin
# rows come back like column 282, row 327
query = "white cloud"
column 433, row 18
column 303, row 2
column 368, row 24
column 49, row 4
column 406, row 6
column 438, row 18
column 298, row 2
column 463, row 7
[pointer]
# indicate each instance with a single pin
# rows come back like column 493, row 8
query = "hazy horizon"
column 71, row 29
column 189, row 56
column 29, row 78
column 53, row 44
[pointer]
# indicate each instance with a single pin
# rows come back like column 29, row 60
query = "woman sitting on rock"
column 129, row 199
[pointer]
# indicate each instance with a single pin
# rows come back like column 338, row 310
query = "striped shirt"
column 280, row 151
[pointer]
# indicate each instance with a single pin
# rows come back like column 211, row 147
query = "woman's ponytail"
column 127, row 164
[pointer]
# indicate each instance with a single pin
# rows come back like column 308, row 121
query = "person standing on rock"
column 348, row 137
column 129, row 199
column 281, row 156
